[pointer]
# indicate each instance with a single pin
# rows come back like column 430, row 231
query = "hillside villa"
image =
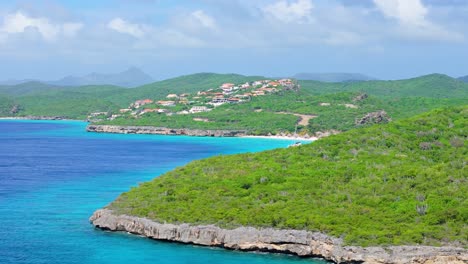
column 166, row 103
column 225, row 93
column 199, row 109
column 143, row 102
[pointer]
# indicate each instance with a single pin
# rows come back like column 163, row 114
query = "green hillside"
column 76, row 102
column 401, row 183
column 6, row 105
column 278, row 113
column 333, row 77
column 27, row 88
column 183, row 84
column 432, row 86
column 400, row 98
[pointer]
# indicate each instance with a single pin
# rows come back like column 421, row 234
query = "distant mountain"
column 26, row 88
column 36, row 98
column 130, row 78
column 430, row 86
column 333, row 77
column 15, row 82
column 464, row 79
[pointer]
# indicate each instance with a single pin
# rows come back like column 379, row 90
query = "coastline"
column 297, row 242
column 58, row 118
column 298, row 138
column 151, row 130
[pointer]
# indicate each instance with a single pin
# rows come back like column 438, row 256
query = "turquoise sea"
column 53, row 175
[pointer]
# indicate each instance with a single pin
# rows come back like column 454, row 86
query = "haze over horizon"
column 385, row 39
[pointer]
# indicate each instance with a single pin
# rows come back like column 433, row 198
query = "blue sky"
column 388, row 39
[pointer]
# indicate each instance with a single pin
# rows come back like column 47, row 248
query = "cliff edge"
column 297, row 242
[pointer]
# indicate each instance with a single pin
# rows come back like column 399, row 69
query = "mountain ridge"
column 129, row 78
column 463, row 78
column 132, row 77
column 332, row 77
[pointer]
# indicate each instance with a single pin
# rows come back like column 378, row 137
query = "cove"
column 53, row 175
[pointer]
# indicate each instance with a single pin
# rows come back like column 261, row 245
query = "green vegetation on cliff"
column 279, row 113
column 323, row 106
column 6, row 105
column 401, row 183
column 430, row 86
column 183, row 84
column 35, row 98
column 402, row 98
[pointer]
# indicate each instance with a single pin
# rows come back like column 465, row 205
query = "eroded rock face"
column 164, row 131
column 360, row 97
column 298, row 242
column 374, row 118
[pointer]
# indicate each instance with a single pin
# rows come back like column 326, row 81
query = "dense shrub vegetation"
column 269, row 114
column 401, row 183
column 433, row 86
column 401, row 98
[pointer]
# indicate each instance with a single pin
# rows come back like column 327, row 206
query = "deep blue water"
column 53, row 175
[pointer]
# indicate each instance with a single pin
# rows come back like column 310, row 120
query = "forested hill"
column 463, row 79
column 183, row 84
column 314, row 109
column 35, row 98
column 39, row 99
column 433, row 86
column 401, row 183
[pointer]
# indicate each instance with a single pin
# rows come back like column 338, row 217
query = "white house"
column 199, row 109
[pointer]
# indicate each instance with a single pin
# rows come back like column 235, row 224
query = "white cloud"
column 289, row 12
column 123, row 26
column 204, row 19
column 409, row 12
column 20, row 23
column 412, row 17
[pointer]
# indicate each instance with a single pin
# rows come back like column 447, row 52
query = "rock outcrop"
column 360, row 97
column 298, row 242
column 374, row 118
column 37, row 118
column 164, row 131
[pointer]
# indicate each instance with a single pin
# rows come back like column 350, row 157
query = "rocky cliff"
column 164, row 131
column 298, row 242
column 37, row 118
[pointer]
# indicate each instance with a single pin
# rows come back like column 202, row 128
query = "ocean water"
column 53, row 175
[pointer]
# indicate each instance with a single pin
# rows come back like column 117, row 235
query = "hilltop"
column 269, row 107
column 430, row 86
column 403, row 183
column 326, row 106
column 40, row 99
column 463, row 79
column 333, row 77
column 129, row 78
column 132, row 77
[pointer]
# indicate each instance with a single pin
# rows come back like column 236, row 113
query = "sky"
column 386, row 39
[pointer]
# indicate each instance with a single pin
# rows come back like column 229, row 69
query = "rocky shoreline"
column 36, row 118
column 297, row 242
column 164, row 131
column 196, row 132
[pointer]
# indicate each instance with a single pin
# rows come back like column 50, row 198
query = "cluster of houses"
column 204, row 101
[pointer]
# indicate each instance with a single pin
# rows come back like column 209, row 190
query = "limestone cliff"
column 164, row 131
column 298, row 242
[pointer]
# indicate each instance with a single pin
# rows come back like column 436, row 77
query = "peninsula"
column 393, row 193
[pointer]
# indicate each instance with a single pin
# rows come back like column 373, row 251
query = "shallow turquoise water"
column 53, row 175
